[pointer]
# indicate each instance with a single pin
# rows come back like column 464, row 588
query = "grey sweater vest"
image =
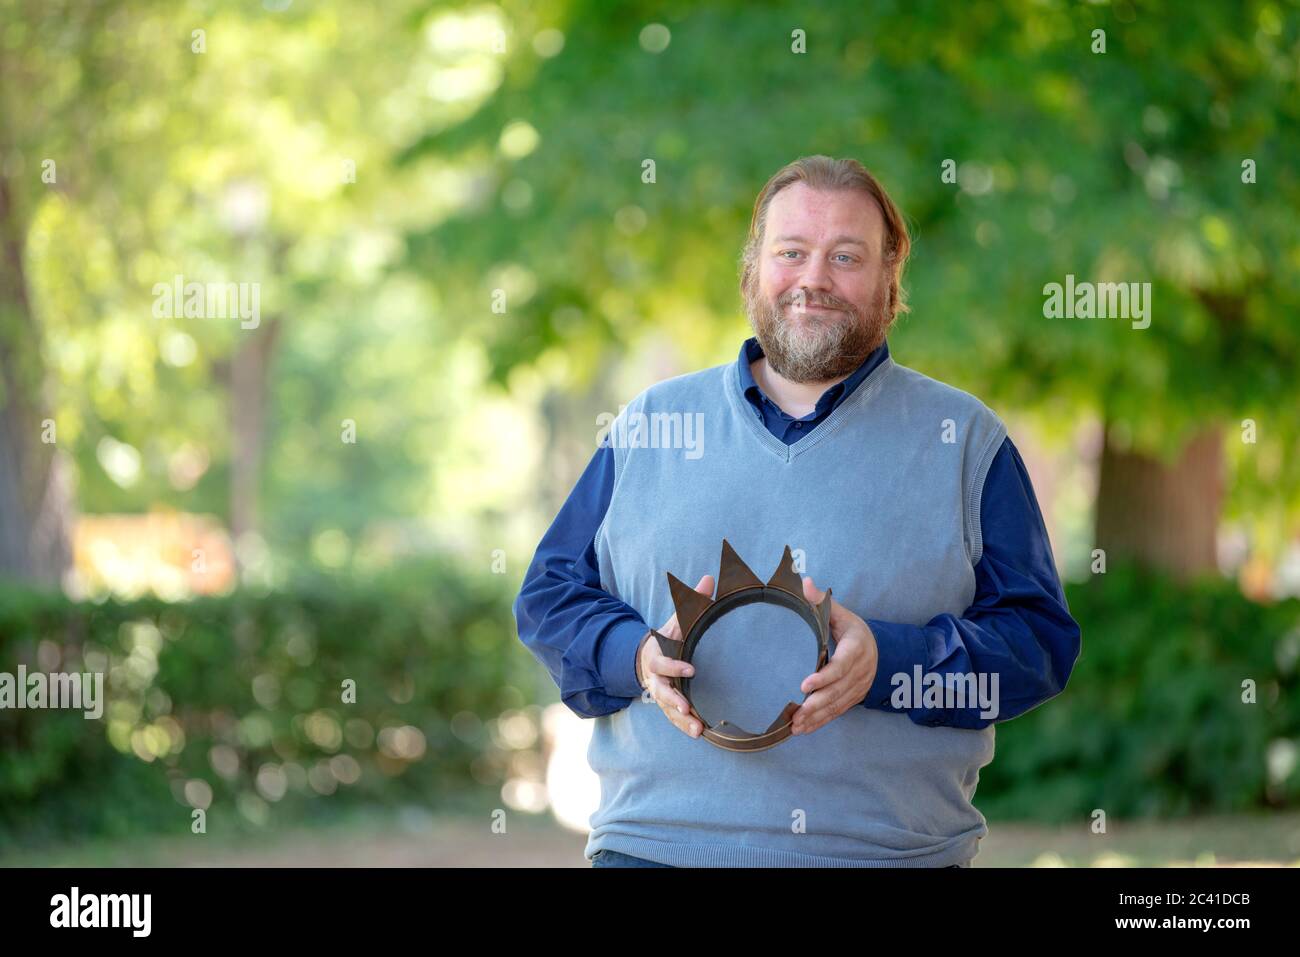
column 881, row 503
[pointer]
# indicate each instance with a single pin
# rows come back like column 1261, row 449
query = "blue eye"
column 785, row 254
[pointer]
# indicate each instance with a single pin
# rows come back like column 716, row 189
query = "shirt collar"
column 751, row 350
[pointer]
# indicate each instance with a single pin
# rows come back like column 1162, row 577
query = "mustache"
column 828, row 302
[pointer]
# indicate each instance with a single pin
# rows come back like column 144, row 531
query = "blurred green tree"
column 1169, row 158
column 140, row 142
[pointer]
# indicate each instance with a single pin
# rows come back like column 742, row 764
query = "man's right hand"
column 655, row 668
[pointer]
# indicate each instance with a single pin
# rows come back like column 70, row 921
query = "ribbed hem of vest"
column 739, row 855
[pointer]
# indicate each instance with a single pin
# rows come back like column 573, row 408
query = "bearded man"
column 901, row 494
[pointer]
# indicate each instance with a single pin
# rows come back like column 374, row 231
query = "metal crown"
column 737, row 585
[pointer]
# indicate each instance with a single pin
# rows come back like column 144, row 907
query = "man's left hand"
column 847, row 677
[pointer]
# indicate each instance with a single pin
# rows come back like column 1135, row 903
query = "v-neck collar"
column 788, row 453
column 751, row 350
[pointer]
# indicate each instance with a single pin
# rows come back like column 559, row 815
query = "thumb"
column 705, row 587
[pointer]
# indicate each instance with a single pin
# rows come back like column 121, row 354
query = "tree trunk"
column 249, row 375
column 35, row 476
column 1164, row 516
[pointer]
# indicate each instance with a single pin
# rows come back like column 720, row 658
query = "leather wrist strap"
column 738, row 586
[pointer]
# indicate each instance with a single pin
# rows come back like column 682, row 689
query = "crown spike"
column 734, row 574
column 689, row 604
column 785, row 576
column 671, row 647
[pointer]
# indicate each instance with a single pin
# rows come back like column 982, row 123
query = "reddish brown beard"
column 839, row 354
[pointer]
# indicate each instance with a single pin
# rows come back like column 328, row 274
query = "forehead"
column 822, row 216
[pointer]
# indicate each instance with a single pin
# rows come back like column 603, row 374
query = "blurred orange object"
column 175, row 555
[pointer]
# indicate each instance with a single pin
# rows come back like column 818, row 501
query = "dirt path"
column 534, row 841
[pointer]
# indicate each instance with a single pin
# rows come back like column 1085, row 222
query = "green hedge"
column 259, row 679
column 1152, row 722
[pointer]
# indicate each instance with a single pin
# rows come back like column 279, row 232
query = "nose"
column 816, row 275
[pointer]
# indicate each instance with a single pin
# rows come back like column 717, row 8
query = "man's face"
column 818, row 301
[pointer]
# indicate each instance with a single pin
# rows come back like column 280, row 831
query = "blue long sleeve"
column 586, row 638
column 1018, row 625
